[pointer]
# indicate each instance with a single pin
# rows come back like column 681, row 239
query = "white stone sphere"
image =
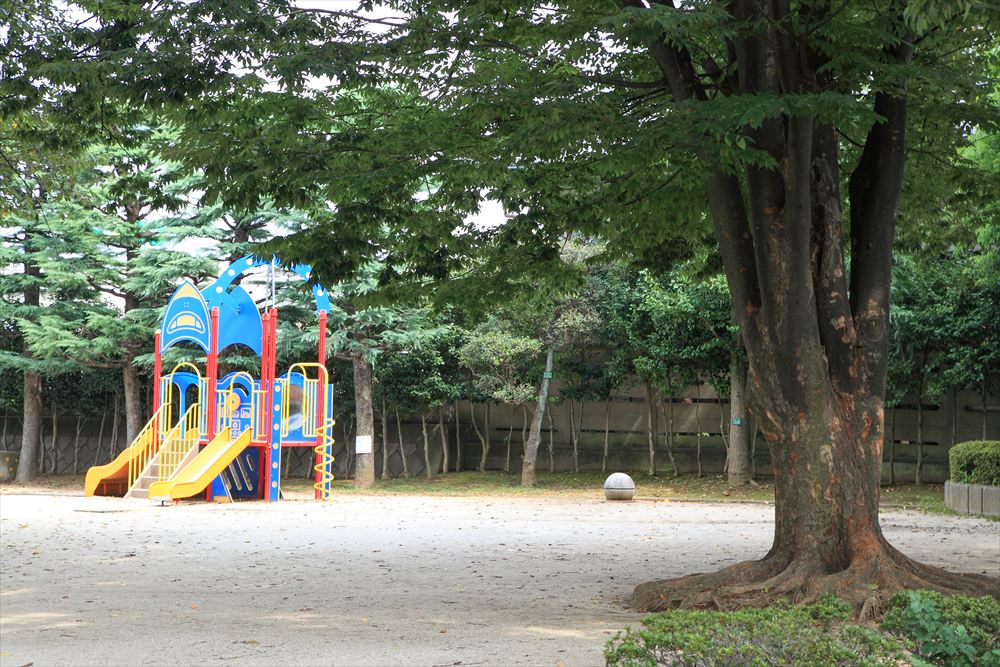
column 619, row 486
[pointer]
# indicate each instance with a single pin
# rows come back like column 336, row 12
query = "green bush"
column 976, row 462
column 810, row 636
column 957, row 631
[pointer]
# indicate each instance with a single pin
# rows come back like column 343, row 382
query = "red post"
column 266, row 408
column 320, row 402
column 269, row 370
column 213, row 375
column 212, row 368
column 157, row 381
column 157, row 371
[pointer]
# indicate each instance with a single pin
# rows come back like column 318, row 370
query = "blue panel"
column 242, row 476
column 242, row 265
column 239, row 319
column 185, row 318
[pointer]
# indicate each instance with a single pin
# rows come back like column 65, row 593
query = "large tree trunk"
column 535, row 434
column 816, row 333
column 364, row 475
column 739, row 448
column 31, row 430
column 133, row 401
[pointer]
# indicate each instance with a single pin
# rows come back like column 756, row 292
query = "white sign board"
column 363, row 444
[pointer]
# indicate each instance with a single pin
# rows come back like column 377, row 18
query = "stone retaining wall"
column 972, row 498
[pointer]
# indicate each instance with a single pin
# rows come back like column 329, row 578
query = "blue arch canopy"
column 244, row 264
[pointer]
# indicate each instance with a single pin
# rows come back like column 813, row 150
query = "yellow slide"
column 203, row 468
column 112, row 479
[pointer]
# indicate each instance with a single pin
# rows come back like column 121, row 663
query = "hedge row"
column 976, row 462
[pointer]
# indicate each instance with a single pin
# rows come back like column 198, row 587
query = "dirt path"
column 370, row 580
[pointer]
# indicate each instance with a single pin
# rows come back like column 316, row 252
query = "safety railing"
column 147, row 443
column 259, row 412
column 317, row 420
column 178, row 443
column 203, row 408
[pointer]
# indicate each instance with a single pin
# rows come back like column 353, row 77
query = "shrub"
column 810, row 636
column 976, row 462
column 958, row 631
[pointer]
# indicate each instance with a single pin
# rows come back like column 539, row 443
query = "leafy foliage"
column 956, row 631
column 976, row 462
column 811, row 636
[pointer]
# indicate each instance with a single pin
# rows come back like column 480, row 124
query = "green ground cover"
column 919, row 628
column 710, row 488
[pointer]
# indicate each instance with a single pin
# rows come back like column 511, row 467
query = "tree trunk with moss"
column 364, row 471
column 738, row 468
column 816, row 335
column 535, row 434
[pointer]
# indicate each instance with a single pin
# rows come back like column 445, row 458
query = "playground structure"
column 224, row 436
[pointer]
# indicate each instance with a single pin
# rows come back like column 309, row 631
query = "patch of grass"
column 810, row 636
column 584, row 485
column 926, row 498
column 561, row 485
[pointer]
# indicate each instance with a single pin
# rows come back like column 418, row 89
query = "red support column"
column 213, row 375
column 321, row 403
column 157, row 381
column 157, row 371
column 270, row 475
column 212, row 368
column 267, row 409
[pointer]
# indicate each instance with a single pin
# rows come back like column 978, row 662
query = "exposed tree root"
column 866, row 582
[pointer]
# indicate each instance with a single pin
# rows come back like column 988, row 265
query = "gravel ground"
column 370, row 580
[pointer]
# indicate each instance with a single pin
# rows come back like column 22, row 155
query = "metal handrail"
column 147, row 442
column 181, row 439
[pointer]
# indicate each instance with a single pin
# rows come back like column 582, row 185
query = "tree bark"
column 54, row 441
column 485, row 438
column 816, row 333
column 607, row 432
column 443, row 425
column 982, row 396
column 510, row 436
column 100, row 435
column 385, row 440
column 697, row 421
column 575, row 426
column 892, row 446
column 739, row 452
column 80, row 421
column 650, row 430
column 115, row 419
column 535, row 434
column 670, row 437
column 31, row 430
column 918, row 471
column 427, row 445
column 552, row 444
column 401, row 448
column 364, row 475
column 458, row 440
column 133, row 400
